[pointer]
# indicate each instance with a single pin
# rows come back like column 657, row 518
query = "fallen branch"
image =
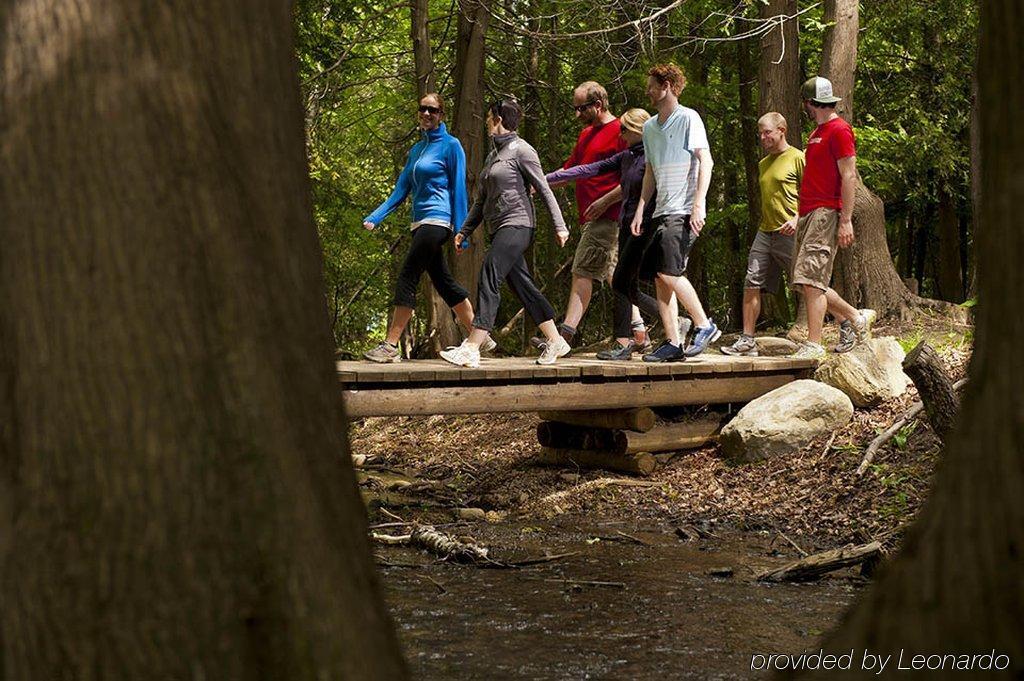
column 597, row 484
column 888, row 434
column 586, row 582
column 813, row 567
column 448, row 548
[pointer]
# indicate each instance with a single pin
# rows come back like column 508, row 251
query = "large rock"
column 870, row 373
column 784, row 420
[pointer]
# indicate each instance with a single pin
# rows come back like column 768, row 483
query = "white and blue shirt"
column 669, row 148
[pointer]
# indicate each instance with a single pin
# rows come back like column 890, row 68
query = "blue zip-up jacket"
column 435, row 175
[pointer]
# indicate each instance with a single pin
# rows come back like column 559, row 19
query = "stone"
column 784, row 420
column 773, row 346
column 869, row 374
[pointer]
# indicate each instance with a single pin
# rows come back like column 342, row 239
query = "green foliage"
column 912, row 115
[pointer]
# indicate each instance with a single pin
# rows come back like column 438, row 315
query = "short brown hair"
column 671, row 74
column 437, row 98
column 594, row 92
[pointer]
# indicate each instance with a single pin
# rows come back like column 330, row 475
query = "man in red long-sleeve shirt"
column 597, row 201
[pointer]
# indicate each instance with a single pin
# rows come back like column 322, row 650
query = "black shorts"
column 671, row 243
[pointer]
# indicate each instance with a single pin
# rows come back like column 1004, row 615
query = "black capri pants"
column 634, row 259
column 505, row 261
column 426, row 254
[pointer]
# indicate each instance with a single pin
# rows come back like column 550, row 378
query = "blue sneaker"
column 705, row 336
column 666, row 352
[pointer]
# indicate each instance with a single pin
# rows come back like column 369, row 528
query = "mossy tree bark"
column 177, row 500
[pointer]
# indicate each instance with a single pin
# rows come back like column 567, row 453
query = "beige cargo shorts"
column 817, row 235
column 597, row 251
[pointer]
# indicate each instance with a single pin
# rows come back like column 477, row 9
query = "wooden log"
column 662, row 438
column 925, row 368
column 672, row 436
column 567, row 436
column 640, row 419
column 814, row 566
column 441, row 399
column 642, row 463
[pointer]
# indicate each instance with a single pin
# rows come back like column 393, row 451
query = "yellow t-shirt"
column 780, row 176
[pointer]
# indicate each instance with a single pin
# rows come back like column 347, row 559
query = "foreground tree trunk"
column 956, row 586
column 176, row 492
column 440, row 320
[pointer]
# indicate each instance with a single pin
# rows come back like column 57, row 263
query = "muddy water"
column 666, row 618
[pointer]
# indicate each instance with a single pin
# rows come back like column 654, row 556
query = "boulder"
column 870, row 373
column 784, row 420
column 773, row 346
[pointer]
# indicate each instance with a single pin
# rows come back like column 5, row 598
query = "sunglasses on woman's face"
column 429, row 109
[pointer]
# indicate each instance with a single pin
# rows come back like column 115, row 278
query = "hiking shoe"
column 666, row 352
column 705, row 336
column 619, row 352
column 685, row 324
column 809, row 350
column 553, row 350
column 385, row 353
column 567, row 332
column 488, row 345
column 464, row 356
column 745, row 346
column 850, row 333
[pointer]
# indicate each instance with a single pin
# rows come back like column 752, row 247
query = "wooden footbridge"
column 577, row 383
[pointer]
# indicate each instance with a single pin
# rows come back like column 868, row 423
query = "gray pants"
column 771, row 254
column 505, row 262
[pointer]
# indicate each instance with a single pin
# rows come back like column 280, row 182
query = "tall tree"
column 956, row 585
column 779, row 68
column 864, row 273
column 471, row 55
column 177, row 495
column 441, row 322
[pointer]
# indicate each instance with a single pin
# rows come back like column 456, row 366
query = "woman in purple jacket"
column 630, row 331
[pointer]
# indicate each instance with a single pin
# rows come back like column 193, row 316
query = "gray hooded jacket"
column 502, row 197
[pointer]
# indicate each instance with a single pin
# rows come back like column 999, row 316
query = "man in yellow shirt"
column 771, row 253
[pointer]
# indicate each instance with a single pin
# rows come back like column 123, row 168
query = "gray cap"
column 819, row 91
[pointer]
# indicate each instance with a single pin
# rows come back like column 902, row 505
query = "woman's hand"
column 562, row 238
column 369, row 226
column 459, row 238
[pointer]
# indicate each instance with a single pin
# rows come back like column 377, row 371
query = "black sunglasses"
column 431, row 109
column 586, row 105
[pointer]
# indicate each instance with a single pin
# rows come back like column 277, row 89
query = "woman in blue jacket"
column 435, row 176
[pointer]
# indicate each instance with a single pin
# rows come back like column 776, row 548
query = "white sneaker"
column 553, row 350
column 809, row 350
column 464, row 355
column 488, row 345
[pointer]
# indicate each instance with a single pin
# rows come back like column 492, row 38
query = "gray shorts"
column 597, row 250
column 771, row 254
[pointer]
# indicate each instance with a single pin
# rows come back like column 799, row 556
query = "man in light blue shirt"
column 679, row 165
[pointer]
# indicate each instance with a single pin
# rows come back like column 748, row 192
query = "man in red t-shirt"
column 826, row 221
column 597, row 201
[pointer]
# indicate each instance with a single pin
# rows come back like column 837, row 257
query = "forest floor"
column 635, row 597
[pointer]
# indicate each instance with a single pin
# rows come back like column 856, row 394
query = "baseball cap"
column 819, row 91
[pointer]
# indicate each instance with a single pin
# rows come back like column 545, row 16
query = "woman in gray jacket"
column 503, row 200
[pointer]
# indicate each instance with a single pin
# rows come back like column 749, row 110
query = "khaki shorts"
column 816, row 242
column 771, row 254
column 597, row 251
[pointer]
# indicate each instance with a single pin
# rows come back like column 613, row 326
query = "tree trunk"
column 469, row 121
column 949, row 275
column 925, row 368
column 779, row 83
column 956, row 586
column 864, row 273
column 178, row 499
column 839, row 51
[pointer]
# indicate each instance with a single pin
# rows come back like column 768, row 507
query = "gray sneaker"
column 850, row 333
column 809, row 350
column 554, row 350
column 685, row 324
column 745, row 346
column 385, row 353
column 488, row 345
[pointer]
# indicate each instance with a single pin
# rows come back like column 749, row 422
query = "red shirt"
column 596, row 143
column 822, row 185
